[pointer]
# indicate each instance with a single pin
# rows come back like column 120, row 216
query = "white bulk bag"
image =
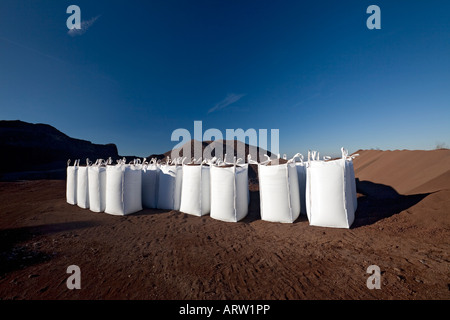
column 301, row 175
column 123, row 189
column 351, row 170
column 150, row 184
column 312, row 156
column 195, row 191
column 97, row 187
column 71, row 183
column 82, row 186
column 279, row 192
column 229, row 192
column 329, row 194
column 169, row 186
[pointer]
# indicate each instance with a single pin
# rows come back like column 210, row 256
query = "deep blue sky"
column 309, row 68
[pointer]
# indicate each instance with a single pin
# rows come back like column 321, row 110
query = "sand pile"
column 408, row 172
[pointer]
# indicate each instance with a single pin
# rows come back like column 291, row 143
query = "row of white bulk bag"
column 195, row 195
column 279, row 191
column 331, row 192
column 114, row 189
column 324, row 190
column 229, row 191
column 77, row 185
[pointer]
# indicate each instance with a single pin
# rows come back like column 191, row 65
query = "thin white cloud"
column 315, row 95
column 230, row 99
column 32, row 50
column 85, row 25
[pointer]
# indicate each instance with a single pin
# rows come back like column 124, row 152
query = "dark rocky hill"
column 41, row 151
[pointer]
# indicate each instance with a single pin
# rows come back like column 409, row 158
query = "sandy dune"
column 407, row 171
column 402, row 225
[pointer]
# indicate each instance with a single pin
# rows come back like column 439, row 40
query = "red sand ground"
column 156, row 254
